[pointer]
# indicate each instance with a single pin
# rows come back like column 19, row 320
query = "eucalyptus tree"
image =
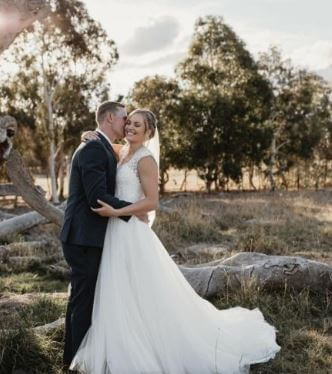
column 162, row 96
column 227, row 101
column 300, row 114
column 60, row 73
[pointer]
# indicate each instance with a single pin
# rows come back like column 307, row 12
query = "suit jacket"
column 92, row 177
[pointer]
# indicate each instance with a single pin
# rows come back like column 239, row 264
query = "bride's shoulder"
column 143, row 152
column 144, row 155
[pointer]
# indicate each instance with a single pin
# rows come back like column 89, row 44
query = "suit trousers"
column 84, row 264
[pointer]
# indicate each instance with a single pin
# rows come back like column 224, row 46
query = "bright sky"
column 153, row 35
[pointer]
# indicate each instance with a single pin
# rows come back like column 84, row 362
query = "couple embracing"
column 131, row 311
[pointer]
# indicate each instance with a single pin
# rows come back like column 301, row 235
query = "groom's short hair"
column 106, row 107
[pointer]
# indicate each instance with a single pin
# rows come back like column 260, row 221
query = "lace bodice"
column 128, row 186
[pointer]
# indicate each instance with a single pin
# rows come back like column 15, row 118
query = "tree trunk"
column 266, row 271
column 54, row 189
column 272, row 162
column 60, row 169
column 31, row 194
column 20, row 223
column 164, row 178
column 184, row 182
column 48, row 97
column 298, row 177
column 251, row 177
column 18, row 15
column 61, row 177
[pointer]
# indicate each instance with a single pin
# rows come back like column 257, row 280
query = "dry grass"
column 292, row 223
column 280, row 223
column 20, row 348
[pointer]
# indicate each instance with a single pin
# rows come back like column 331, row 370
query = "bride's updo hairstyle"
column 149, row 118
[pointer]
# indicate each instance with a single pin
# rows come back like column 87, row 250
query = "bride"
column 147, row 319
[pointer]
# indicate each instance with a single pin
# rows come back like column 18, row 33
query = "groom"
column 92, row 177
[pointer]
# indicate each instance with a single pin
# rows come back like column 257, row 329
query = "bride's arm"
column 148, row 174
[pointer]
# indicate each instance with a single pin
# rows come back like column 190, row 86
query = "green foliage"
column 162, row 96
column 300, row 117
column 225, row 100
column 68, row 55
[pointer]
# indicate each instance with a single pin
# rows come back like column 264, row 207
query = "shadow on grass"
column 21, row 348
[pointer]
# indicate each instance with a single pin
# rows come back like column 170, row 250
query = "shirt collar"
column 104, row 135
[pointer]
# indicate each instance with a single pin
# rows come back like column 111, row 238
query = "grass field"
column 288, row 223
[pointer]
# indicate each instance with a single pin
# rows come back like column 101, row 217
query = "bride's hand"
column 89, row 135
column 106, row 210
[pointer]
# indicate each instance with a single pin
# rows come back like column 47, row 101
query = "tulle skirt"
column 147, row 319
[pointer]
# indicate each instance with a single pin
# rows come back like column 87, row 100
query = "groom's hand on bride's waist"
column 143, row 217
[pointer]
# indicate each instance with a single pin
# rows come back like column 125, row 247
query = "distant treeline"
column 224, row 114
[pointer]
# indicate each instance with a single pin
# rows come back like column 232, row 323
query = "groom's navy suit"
column 92, row 177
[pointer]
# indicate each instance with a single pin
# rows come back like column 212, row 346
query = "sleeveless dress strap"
column 138, row 155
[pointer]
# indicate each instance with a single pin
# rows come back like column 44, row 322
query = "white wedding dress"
column 147, row 319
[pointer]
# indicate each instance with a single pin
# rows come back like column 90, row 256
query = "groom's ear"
column 109, row 117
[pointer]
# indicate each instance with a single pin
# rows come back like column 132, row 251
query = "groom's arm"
column 93, row 162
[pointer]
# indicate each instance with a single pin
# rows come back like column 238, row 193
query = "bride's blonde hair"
column 149, row 118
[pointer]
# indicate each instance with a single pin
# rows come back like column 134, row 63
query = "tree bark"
column 48, row 98
column 31, row 194
column 251, row 177
column 16, row 15
column 23, row 222
column 45, row 329
column 272, row 162
column 20, row 223
column 266, row 271
column 7, row 189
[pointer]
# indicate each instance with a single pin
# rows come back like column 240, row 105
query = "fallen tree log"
column 4, row 215
column 16, row 15
column 24, row 222
column 49, row 327
column 247, row 267
column 266, row 271
column 20, row 223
